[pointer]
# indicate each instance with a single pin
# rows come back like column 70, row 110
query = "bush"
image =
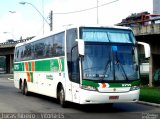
column 150, row 94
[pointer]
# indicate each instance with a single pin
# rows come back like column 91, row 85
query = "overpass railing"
column 13, row 43
column 145, row 27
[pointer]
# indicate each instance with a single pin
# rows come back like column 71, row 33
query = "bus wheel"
column 62, row 97
column 25, row 89
column 20, row 86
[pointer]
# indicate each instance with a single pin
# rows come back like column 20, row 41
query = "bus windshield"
column 107, row 35
column 104, row 62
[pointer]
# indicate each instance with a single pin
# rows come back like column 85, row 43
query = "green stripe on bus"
column 42, row 65
column 90, row 83
column 19, row 66
column 62, row 60
column 136, row 83
column 31, row 74
column 111, row 85
column 119, row 85
column 29, row 66
column 54, row 66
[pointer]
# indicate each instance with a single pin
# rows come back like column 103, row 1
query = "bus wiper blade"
column 118, row 63
column 105, row 70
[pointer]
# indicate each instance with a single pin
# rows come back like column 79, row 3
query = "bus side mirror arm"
column 146, row 49
column 81, row 48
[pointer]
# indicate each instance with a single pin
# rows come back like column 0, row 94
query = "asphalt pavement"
column 15, row 104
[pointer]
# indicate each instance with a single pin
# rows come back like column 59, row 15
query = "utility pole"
column 43, row 13
column 97, row 12
column 51, row 20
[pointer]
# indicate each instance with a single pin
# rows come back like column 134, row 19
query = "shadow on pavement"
column 97, row 108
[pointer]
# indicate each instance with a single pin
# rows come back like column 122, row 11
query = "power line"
column 88, row 8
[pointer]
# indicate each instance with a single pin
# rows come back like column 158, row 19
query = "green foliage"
column 150, row 94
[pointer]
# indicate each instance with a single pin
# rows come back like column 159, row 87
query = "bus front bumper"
column 94, row 97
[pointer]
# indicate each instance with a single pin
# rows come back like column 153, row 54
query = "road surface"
column 12, row 103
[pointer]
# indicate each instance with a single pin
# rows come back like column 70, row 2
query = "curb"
column 149, row 103
column 11, row 79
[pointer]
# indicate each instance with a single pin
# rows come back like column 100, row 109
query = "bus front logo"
column 126, row 85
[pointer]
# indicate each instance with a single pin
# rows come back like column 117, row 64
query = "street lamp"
column 23, row 3
column 12, row 29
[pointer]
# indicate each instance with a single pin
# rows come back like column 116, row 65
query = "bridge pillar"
column 9, row 64
column 154, row 61
column 151, row 70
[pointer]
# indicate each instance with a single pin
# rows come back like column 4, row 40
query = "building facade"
column 156, row 6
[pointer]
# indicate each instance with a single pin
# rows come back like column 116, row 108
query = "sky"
column 17, row 20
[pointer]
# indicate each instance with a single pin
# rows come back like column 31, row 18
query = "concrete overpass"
column 149, row 33
column 7, row 49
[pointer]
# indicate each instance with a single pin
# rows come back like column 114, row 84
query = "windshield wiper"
column 118, row 63
column 105, row 69
column 108, row 65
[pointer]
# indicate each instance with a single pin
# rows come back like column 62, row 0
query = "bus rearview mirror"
column 146, row 49
column 80, row 46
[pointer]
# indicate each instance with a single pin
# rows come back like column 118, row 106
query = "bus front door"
column 75, row 92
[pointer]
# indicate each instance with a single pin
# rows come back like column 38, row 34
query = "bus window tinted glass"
column 107, row 35
column 52, row 46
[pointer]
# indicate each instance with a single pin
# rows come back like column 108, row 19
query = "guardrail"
column 135, row 23
column 13, row 43
column 145, row 27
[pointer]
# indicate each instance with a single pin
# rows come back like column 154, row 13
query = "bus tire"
column 62, row 97
column 20, row 86
column 25, row 89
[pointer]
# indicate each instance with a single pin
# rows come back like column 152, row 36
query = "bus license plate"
column 113, row 97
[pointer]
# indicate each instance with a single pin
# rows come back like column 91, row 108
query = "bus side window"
column 75, row 65
column 58, row 45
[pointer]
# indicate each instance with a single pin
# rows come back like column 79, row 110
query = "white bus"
column 84, row 65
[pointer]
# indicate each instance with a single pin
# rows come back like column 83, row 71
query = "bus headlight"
column 91, row 88
column 134, row 88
